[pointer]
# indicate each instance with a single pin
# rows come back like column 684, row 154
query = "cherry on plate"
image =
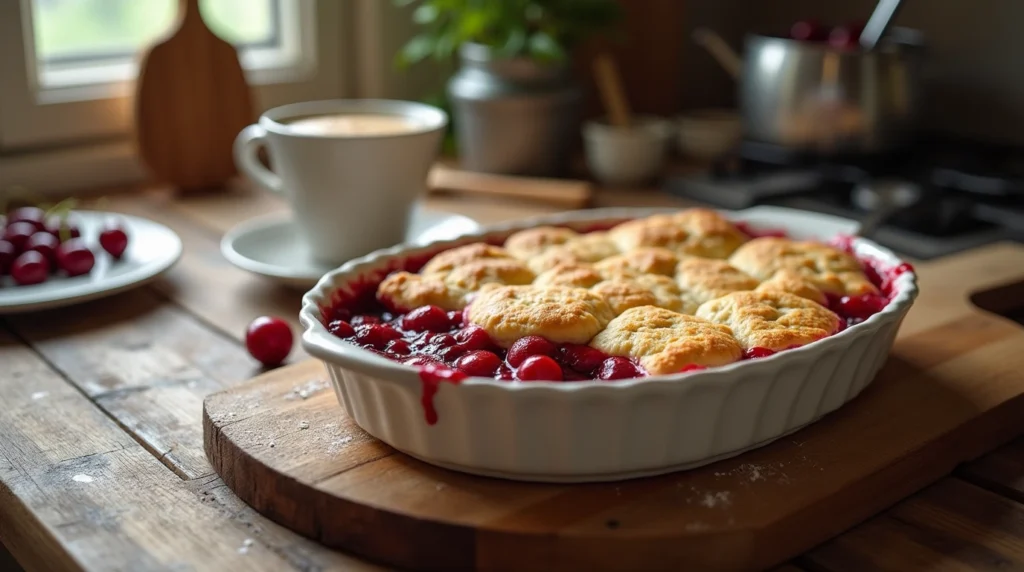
column 63, row 228
column 269, row 340
column 18, row 233
column 46, row 244
column 539, row 368
column 31, row 215
column 30, row 268
column 7, row 255
column 529, row 346
column 113, row 237
column 75, row 258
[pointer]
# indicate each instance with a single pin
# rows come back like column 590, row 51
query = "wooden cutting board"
column 191, row 101
column 951, row 391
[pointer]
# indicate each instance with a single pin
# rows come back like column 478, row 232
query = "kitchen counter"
column 101, row 459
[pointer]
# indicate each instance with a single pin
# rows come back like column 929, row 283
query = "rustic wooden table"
column 101, row 453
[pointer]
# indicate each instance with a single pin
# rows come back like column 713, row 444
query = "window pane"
column 85, row 29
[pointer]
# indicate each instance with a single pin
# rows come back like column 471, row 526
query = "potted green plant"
column 514, row 102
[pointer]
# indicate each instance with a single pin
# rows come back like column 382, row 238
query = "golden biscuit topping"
column 771, row 319
column 531, row 242
column 558, row 313
column 665, row 342
column 828, row 269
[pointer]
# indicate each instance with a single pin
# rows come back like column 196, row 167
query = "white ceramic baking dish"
column 603, row 430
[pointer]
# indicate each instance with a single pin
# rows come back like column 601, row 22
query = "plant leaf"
column 425, row 14
column 416, row 50
column 543, row 46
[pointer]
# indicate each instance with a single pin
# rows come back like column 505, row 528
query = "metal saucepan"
column 811, row 97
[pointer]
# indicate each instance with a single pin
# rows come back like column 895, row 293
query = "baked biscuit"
column 558, row 313
column 771, row 319
column 450, row 259
column 475, row 273
column 644, row 260
column 665, row 342
column 703, row 279
column 697, row 232
column 787, row 280
column 625, row 292
column 587, row 248
column 830, row 270
column 404, row 291
column 531, row 242
column 576, row 275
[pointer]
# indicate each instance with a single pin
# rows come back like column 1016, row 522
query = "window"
column 67, row 66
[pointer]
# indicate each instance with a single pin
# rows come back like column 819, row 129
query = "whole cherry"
column 528, row 346
column 539, row 368
column 31, row 215
column 46, row 244
column 426, row 319
column 63, row 228
column 269, row 340
column 75, row 258
column 113, row 237
column 30, row 268
column 7, row 255
column 617, row 368
column 18, row 233
column 479, row 363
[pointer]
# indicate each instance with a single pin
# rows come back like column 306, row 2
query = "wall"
column 976, row 78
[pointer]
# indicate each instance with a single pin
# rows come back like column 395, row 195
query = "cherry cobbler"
column 659, row 295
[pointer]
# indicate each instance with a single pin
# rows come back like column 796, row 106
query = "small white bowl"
column 626, row 157
column 707, row 134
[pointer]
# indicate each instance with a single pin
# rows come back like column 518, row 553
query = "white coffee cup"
column 352, row 170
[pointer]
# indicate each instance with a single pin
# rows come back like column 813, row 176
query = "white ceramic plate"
column 270, row 246
column 152, row 250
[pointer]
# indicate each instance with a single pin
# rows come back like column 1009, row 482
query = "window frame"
column 60, row 116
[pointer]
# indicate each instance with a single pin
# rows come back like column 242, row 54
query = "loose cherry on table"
column 269, row 340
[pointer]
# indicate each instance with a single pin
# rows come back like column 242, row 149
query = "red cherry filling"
column 539, row 368
column 398, row 348
column 426, row 319
column 617, row 368
column 473, row 338
column 860, row 307
column 479, row 363
column 583, row 359
column 341, row 328
column 757, row 352
column 692, row 367
column 376, row 335
column 529, row 346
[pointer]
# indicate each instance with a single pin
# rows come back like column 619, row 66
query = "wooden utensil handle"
column 612, row 93
column 567, row 193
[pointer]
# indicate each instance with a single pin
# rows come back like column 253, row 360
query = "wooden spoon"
column 612, row 94
column 191, row 101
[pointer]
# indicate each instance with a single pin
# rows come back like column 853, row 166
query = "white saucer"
column 270, row 246
column 152, row 249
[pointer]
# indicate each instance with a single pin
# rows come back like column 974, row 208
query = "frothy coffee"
column 354, row 125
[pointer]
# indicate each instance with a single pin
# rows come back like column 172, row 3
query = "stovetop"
column 962, row 194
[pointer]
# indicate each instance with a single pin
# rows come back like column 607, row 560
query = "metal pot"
column 513, row 116
column 808, row 96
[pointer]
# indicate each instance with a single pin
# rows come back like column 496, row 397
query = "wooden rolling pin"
column 564, row 193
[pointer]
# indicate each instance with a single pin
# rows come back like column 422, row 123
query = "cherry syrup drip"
column 431, row 377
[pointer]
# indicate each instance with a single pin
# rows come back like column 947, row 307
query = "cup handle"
column 247, row 144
